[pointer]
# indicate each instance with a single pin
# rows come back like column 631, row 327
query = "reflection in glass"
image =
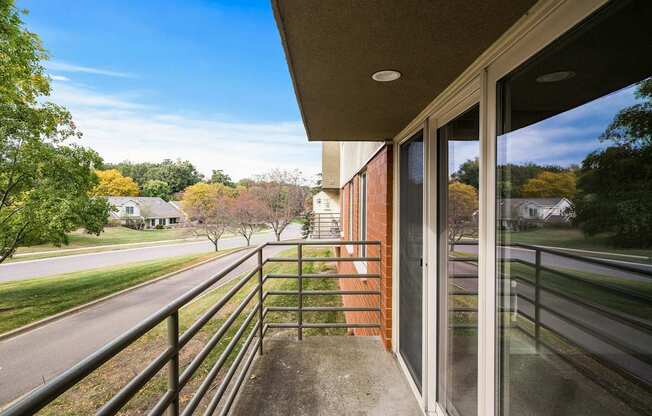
column 458, row 279
column 411, row 253
column 574, row 223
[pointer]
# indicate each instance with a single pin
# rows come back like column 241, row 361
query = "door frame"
column 419, row 395
column 463, row 100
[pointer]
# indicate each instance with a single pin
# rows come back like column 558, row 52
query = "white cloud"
column 66, row 67
column 120, row 128
column 59, row 78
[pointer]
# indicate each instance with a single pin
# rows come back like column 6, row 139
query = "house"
column 519, row 213
column 144, row 212
column 326, row 222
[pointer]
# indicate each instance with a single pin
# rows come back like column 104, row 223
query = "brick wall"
column 379, row 227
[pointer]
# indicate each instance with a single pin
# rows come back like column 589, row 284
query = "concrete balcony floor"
column 336, row 375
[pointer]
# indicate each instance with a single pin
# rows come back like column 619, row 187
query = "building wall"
column 379, row 227
column 330, row 165
column 354, row 156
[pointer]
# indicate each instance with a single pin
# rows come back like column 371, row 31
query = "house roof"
column 333, row 47
column 151, row 207
column 508, row 206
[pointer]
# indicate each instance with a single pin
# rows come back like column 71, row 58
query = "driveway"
column 78, row 262
column 28, row 359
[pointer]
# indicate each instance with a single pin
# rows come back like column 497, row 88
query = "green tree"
column 44, row 182
column 615, row 183
column 219, row 176
column 179, row 174
column 469, row 173
column 157, row 188
column 135, row 170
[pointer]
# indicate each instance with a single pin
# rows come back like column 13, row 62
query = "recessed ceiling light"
column 555, row 76
column 386, row 75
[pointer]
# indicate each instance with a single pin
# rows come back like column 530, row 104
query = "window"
column 362, row 205
column 351, row 237
column 534, row 213
column 574, row 327
column 161, row 221
column 129, row 210
column 173, row 220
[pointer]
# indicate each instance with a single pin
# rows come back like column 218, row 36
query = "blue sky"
column 199, row 80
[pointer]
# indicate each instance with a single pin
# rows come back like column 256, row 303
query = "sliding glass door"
column 411, row 256
column 574, row 222
column 457, row 208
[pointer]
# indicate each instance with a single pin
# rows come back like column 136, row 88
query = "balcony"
column 245, row 352
column 325, row 376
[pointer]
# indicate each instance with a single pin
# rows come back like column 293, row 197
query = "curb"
column 25, row 328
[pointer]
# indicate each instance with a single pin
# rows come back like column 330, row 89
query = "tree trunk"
column 278, row 236
column 215, row 243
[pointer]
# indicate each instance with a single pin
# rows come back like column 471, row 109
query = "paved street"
column 44, row 352
column 66, row 264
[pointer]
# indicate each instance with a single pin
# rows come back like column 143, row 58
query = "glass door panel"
column 574, row 222
column 411, row 255
column 458, row 152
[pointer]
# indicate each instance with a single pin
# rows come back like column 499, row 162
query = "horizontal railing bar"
column 463, row 276
column 324, row 292
column 199, row 323
column 214, row 340
column 327, row 259
column 605, row 263
column 232, row 369
column 116, row 403
column 464, row 310
column 320, row 309
column 324, row 243
column 462, row 259
column 162, row 404
column 637, row 324
column 316, row 259
column 210, row 377
column 322, row 325
column 325, row 276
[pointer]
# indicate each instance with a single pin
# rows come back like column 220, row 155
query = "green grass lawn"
column 571, row 238
column 113, row 235
column 26, row 301
column 96, row 389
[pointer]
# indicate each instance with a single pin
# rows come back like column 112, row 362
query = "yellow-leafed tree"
column 550, row 185
column 113, row 183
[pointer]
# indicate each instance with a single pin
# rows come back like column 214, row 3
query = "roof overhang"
column 333, row 47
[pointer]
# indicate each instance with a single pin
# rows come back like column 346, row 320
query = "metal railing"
column 325, row 225
column 631, row 357
column 178, row 378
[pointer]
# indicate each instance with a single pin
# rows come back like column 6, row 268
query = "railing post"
column 537, row 299
column 173, row 364
column 300, row 280
column 260, row 298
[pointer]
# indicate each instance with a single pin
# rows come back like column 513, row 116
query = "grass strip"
column 26, row 301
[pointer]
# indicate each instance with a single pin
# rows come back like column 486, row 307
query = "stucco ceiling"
column 333, row 47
